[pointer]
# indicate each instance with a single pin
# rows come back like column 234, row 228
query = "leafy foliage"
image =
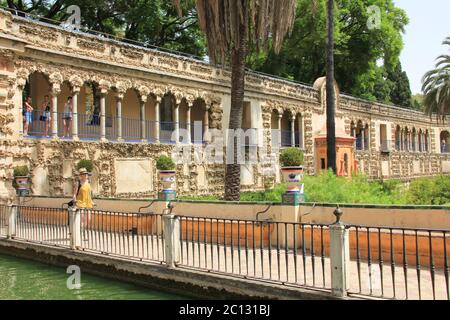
column 165, row 163
column 87, row 164
column 430, row 191
column 153, row 22
column 21, row 171
column 436, row 87
column 358, row 49
column 291, row 157
column 328, row 188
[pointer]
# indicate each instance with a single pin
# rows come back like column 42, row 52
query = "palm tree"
column 331, row 125
column 230, row 27
column 436, row 87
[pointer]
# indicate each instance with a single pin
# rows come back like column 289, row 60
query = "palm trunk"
column 331, row 126
column 233, row 171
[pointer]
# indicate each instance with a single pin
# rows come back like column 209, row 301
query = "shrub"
column 21, row 171
column 165, row 163
column 291, row 157
column 87, row 164
column 430, row 191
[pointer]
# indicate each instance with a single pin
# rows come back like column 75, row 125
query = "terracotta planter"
column 22, row 185
column 293, row 176
column 167, row 178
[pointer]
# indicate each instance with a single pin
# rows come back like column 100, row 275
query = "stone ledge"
column 179, row 281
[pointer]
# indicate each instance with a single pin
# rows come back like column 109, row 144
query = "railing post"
column 75, row 228
column 12, row 218
column 171, row 239
column 339, row 256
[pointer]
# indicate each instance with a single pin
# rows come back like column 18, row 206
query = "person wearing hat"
column 82, row 197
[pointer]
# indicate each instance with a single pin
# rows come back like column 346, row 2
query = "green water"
column 24, row 279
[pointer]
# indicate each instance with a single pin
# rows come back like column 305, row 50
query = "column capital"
column 103, row 91
column 76, row 90
column 55, row 90
column 143, row 99
column 158, row 99
column 120, row 96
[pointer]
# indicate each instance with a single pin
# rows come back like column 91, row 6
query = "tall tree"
column 331, row 95
column 231, row 27
column 152, row 22
column 436, row 87
column 401, row 89
column 364, row 54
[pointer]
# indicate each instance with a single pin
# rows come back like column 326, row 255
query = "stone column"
column 119, row 99
column 188, row 121
column 12, row 219
column 103, row 93
column 75, row 228
column 142, row 113
column 177, row 121
column 56, row 90
column 206, row 123
column 75, row 93
column 172, row 239
column 300, row 133
column 363, row 138
column 157, row 119
column 293, row 131
column 339, row 257
column 280, row 134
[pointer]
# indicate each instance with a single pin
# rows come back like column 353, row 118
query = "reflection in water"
column 24, row 279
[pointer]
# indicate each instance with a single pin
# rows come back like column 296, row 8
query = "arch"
column 299, row 130
column 131, row 124
column 360, row 136
column 413, row 139
column 199, row 119
column 420, row 140
column 167, row 116
column 38, row 88
column 286, row 129
column 398, row 137
column 444, row 139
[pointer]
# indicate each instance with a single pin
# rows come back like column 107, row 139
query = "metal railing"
column 132, row 235
column 399, row 263
column 286, row 253
column 381, row 262
column 48, row 226
column 89, row 128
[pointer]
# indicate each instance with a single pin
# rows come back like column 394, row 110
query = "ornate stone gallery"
column 132, row 104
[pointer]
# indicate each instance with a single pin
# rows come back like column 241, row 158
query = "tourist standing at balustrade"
column 46, row 115
column 83, row 194
column 27, row 115
column 67, row 117
column 83, row 197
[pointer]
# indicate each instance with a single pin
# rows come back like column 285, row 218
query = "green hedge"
column 328, row 188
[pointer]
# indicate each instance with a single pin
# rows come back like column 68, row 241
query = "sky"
column 429, row 24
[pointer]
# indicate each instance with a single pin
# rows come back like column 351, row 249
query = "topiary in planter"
column 21, row 180
column 87, row 164
column 21, row 171
column 291, row 157
column 165, row 163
